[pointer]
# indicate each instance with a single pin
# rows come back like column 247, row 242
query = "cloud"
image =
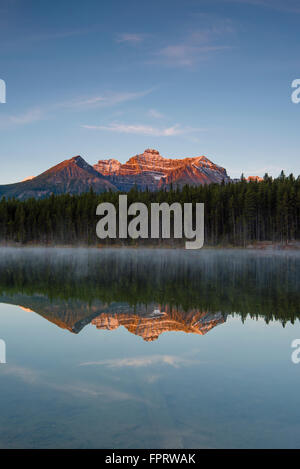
column 27, row 375
column 38, row 113
column 156, row 114
column 215, row 32
column 105, row 100
column 137, row 362
column 130, row 38
column 36, row 378
column 195, row 46
column 32, row 115
column 184, row 54
column 98, row 391
column 27, row 117
column 139, row 129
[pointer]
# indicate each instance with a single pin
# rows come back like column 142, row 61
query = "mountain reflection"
column 148, row 322
column 150, row 291
column 150, row 326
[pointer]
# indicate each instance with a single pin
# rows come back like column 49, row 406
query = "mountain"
column 254, row 179
column 152, row 170
column 147, row 170
column 72, row 176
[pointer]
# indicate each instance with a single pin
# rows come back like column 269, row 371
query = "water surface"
column 149, row 349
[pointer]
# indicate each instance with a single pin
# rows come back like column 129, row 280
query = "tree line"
column 235, row 214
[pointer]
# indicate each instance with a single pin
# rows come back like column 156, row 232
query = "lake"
column 153, row 348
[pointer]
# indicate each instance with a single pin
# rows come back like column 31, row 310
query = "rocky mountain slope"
column 152, row 170
column 147, row 170
column 73, row 176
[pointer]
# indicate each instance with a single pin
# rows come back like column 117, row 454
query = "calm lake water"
column 149, row 349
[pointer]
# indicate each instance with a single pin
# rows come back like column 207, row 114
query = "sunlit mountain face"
column 151, row 170
column 148, row 170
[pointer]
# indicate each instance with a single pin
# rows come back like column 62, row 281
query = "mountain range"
column 147, row 170
column 146, row 321
column 152, row 170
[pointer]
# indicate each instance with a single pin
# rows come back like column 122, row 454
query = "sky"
column 110, row 78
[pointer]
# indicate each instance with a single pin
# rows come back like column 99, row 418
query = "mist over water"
column 228, row 281
column 129, row 348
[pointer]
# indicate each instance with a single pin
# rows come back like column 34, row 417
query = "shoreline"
column 258, row 246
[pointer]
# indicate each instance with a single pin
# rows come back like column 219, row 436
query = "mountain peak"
column 151, row 151
column 151, row 170
column 72, row 176
column 79, row 161
column 78, row 157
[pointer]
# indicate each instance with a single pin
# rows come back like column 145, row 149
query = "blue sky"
column 188, row 77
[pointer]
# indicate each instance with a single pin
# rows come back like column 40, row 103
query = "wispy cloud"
column 97, row 391
column 184, row 54
column 155, row 114
column 37, row 378
column 27, row 375
column 131, row 38
column 195, row 46
column 138, row 362
column 105, row 100
column 29, row 116
column 139, row 129
column 36, row 114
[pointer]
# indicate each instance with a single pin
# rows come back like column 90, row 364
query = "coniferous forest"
column 235, row 214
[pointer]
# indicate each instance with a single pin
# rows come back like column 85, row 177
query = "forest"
column 236, row 214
